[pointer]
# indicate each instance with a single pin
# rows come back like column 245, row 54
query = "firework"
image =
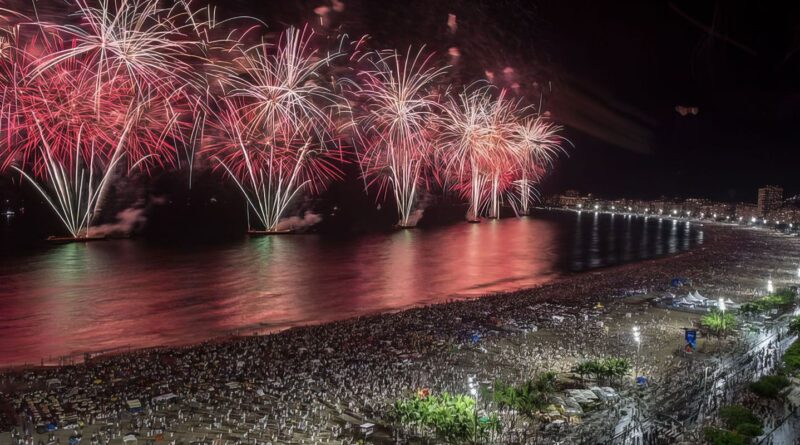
column 277, row 132
column 397, row 125
column 53, row 134
column 138, row 39
column 478, row 147
column 540, row 143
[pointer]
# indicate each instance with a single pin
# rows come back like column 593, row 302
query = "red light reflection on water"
column 101, row 296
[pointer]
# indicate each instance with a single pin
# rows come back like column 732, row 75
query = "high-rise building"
column 770, row 198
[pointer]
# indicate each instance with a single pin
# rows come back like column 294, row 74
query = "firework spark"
column 277, row 133
column 477, row 146
column 54, row 134
column 397, row 126
column 540, row 143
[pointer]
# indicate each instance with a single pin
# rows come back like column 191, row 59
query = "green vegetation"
column 720, row 323
column 450, row 418
column 791, row 358
column 781, row 300
column 769, row 386
column 716, row 436
column 794, row 326
column 528, row 398
column 607, row 368
column 741, row 420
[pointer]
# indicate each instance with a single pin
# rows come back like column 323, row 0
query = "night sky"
column 611, row 72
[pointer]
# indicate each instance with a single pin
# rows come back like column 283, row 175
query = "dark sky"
column 736, row 63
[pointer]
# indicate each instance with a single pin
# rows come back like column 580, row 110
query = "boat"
column 270, row 232
column 70, row 239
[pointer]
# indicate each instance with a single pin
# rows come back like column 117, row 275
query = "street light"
column 473, row 389
column 637, row 338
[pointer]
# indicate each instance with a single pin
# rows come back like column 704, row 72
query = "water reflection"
column 101, row 296
column 614, row 238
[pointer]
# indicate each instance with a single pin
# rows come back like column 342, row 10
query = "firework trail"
column 137, row 39
column 540, row 144
column 69, row 121
column 277, row 132
column 477, row 147
column 397, row 125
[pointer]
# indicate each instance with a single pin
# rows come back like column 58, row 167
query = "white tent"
column 697, row 297
column 731, row 304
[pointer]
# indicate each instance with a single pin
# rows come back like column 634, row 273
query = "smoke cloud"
column 127, row 221
column 297, row 223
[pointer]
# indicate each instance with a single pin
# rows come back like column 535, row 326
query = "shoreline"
column 77, row 357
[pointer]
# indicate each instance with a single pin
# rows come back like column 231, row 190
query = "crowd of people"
column 319, row 384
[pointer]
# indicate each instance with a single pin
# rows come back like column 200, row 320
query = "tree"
column 741, row 420
column 791, row 358
column 450, row 418
column 769, row 386
column 794, row 326
column 606, row 368
column 716, row 436
column 720, row 323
